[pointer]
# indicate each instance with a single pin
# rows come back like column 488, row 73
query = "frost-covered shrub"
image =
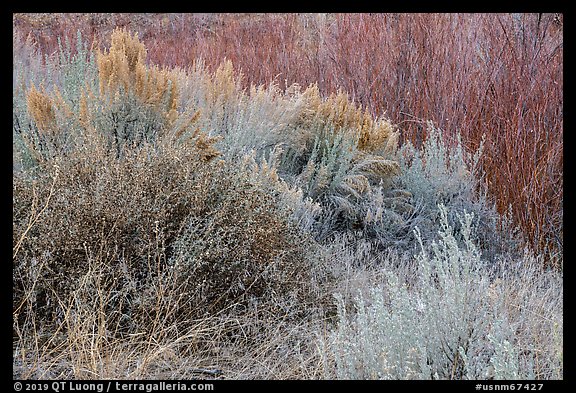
column 441, row 174
column 448, row 323
column 242, row 249
column 112, row 97
column 327, row 149
column 45, row 93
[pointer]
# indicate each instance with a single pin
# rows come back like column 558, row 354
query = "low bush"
column 452, row 320
column 147, row 200
column 443, row 172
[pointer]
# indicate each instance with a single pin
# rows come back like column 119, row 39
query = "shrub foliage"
column 163, row 214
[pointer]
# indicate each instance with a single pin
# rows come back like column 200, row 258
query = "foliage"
column 166, row 220
column 447, row 323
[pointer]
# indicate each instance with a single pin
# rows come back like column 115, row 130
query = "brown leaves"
column 124, row 67
column 377, row 136
column 41, row 107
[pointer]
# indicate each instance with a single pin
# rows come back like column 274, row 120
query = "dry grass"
column 87, row 344
column 147, row 268
column 258, row 344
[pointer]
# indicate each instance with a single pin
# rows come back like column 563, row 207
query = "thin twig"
column 33, row 218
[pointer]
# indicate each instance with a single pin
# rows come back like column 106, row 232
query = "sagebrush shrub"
column 98, row 204
column 449, row 322
column 144, row 215
column 345, row 154
column 440, row 173
column 115, row 96
column 243, row 249
column 46, row 94
column 331, row 149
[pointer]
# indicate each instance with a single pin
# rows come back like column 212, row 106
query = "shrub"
column 345, row 152
column 159, row 249
column 302, row 210
column 448, row 323
column 257, row 118
column 444, row 173
column 242, row 250
column 96, row 204
column 115, row 97
column 328, row 148
column 139, row 193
